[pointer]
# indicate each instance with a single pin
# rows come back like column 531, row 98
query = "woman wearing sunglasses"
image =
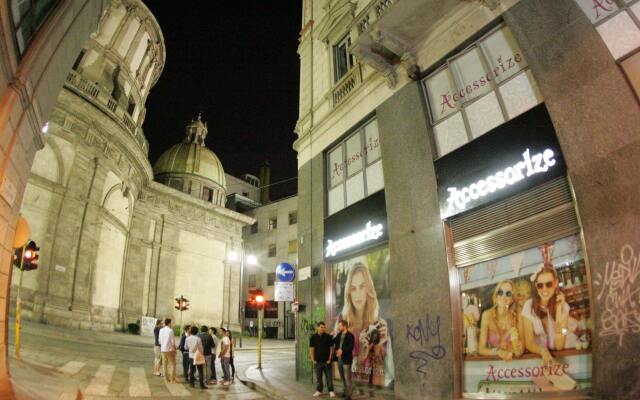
column 546, row 321
column 499, row 333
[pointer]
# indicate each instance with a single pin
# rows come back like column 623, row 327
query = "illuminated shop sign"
column 530, row 165
column 513, row 157
column 360, row 226
column 370, row 232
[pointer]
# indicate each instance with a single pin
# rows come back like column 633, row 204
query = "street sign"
column 285, row 273
column 284, row 291
column 250, row 324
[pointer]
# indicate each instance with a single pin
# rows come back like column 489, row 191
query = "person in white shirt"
column 194, row 344
column 168, row 349
column 225, row 356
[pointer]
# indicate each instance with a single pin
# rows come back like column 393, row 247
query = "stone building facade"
column 115, row 244
column 418, row 127
column 36, row 53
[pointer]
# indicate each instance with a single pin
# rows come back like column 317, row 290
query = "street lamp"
column 249, row 259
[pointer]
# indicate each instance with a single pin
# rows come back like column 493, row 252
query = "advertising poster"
column 362, row 297
column 526, row 321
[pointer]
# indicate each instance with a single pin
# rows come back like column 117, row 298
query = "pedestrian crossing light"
column 182, row 303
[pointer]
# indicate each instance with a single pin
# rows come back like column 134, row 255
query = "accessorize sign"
column 357, row 227
column 515, row 156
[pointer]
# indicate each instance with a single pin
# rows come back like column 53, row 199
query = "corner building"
column 468, row 178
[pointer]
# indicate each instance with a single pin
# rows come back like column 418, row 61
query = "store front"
column 357, row 285
column 520, row 284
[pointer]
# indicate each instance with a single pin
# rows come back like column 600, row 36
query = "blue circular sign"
column 285, row 272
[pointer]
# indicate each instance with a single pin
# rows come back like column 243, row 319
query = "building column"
column 597, row 119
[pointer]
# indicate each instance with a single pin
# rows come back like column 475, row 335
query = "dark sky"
column 236, row 62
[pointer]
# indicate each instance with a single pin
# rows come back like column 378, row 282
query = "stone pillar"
column 597, row 119
column 419, row 276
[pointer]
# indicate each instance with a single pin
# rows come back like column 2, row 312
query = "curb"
column 257, row 388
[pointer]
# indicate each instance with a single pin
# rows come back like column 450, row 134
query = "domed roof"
column 192, row 156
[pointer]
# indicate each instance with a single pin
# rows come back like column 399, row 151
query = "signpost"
column 285, row 275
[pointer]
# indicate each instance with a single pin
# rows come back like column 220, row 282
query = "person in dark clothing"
column 233, row 367
column 321, row 352
column 185, row 352
column 208, row 346
column 214, row 376
column 344, row 343
column 157, row 361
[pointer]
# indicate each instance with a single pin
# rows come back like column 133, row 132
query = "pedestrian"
column 207, row 345
column 214, row 375
column 225, row 355
column 344, row 343
column 196, row 357
column 184, row 351
column 233, row 367
column 157, row 360
column 321, row 351
column 168, row 349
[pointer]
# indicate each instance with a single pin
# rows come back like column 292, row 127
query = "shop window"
column 342, row 58
column 271, row 277
column 293, row 218
column 207, row 194
column 631, row 67
column 478, row 90
column 508, row 329
column 250, row 310
column 27, row 17
column 272, row 250
column 270, row 309
column 354, row 169
column 293, row 246
column 254, row 228
column 273, row 223
column 252, row 280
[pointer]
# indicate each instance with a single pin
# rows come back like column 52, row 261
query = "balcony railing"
column 108, row 104
column 346, row 85
column 372, row 13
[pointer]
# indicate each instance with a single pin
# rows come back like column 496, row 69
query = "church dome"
column 191, row 157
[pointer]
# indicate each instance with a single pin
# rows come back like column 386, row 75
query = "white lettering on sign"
column 367, row 234
column 532, row 164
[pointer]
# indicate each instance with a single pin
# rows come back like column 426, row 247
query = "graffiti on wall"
column 423, row 336
column 619, row 295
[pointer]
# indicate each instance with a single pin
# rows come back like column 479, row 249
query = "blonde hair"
column 512, row 307
column 370, row 314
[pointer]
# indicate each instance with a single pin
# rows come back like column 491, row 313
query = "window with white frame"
column 479, row 89
column 618, row 23
column 354, row 168
column 342, row 58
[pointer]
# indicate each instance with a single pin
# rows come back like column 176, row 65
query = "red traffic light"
column 182, row 303
column 259, row 299
column 28, row 255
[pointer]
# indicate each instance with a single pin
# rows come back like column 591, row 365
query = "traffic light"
column 31, row 256
column 256, row 297
column 182, row 303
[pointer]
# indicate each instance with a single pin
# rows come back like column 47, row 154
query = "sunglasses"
column 540, row 285
column 503, row 293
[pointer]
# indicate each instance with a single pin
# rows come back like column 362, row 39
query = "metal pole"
column 18, row 306
column 241, row 293
column 260, row 316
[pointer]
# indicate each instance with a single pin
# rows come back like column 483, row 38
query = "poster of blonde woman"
column 362, row 298
column 527, row 321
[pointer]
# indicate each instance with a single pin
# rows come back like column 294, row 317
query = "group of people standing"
column 325, row 349
column 198, row 347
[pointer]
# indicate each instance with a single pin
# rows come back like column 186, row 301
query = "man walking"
column 225, row 356
column 168, row 349
column 207, row 345
column 321, row 351
column 184, row 351
column 196, row 358
column 157, row 361
column 344, row 343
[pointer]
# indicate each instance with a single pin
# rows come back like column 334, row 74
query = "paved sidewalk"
column 278, row 382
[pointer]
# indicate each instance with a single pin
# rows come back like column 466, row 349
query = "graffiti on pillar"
column 619, row 295
column 425, row 335
column 307, row 328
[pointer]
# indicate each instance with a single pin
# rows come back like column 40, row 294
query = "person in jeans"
column 214, row 376
column 207, row 345
column 157, row 361
column 231, row 364
column 184, row 351
column 225, row 355
column 321, row 352
column 344, row 343
column 193, row 344
column 168, row 349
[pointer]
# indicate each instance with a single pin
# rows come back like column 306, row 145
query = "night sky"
column 235, row 62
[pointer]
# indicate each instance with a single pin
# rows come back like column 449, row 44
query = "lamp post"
column 249, row 260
